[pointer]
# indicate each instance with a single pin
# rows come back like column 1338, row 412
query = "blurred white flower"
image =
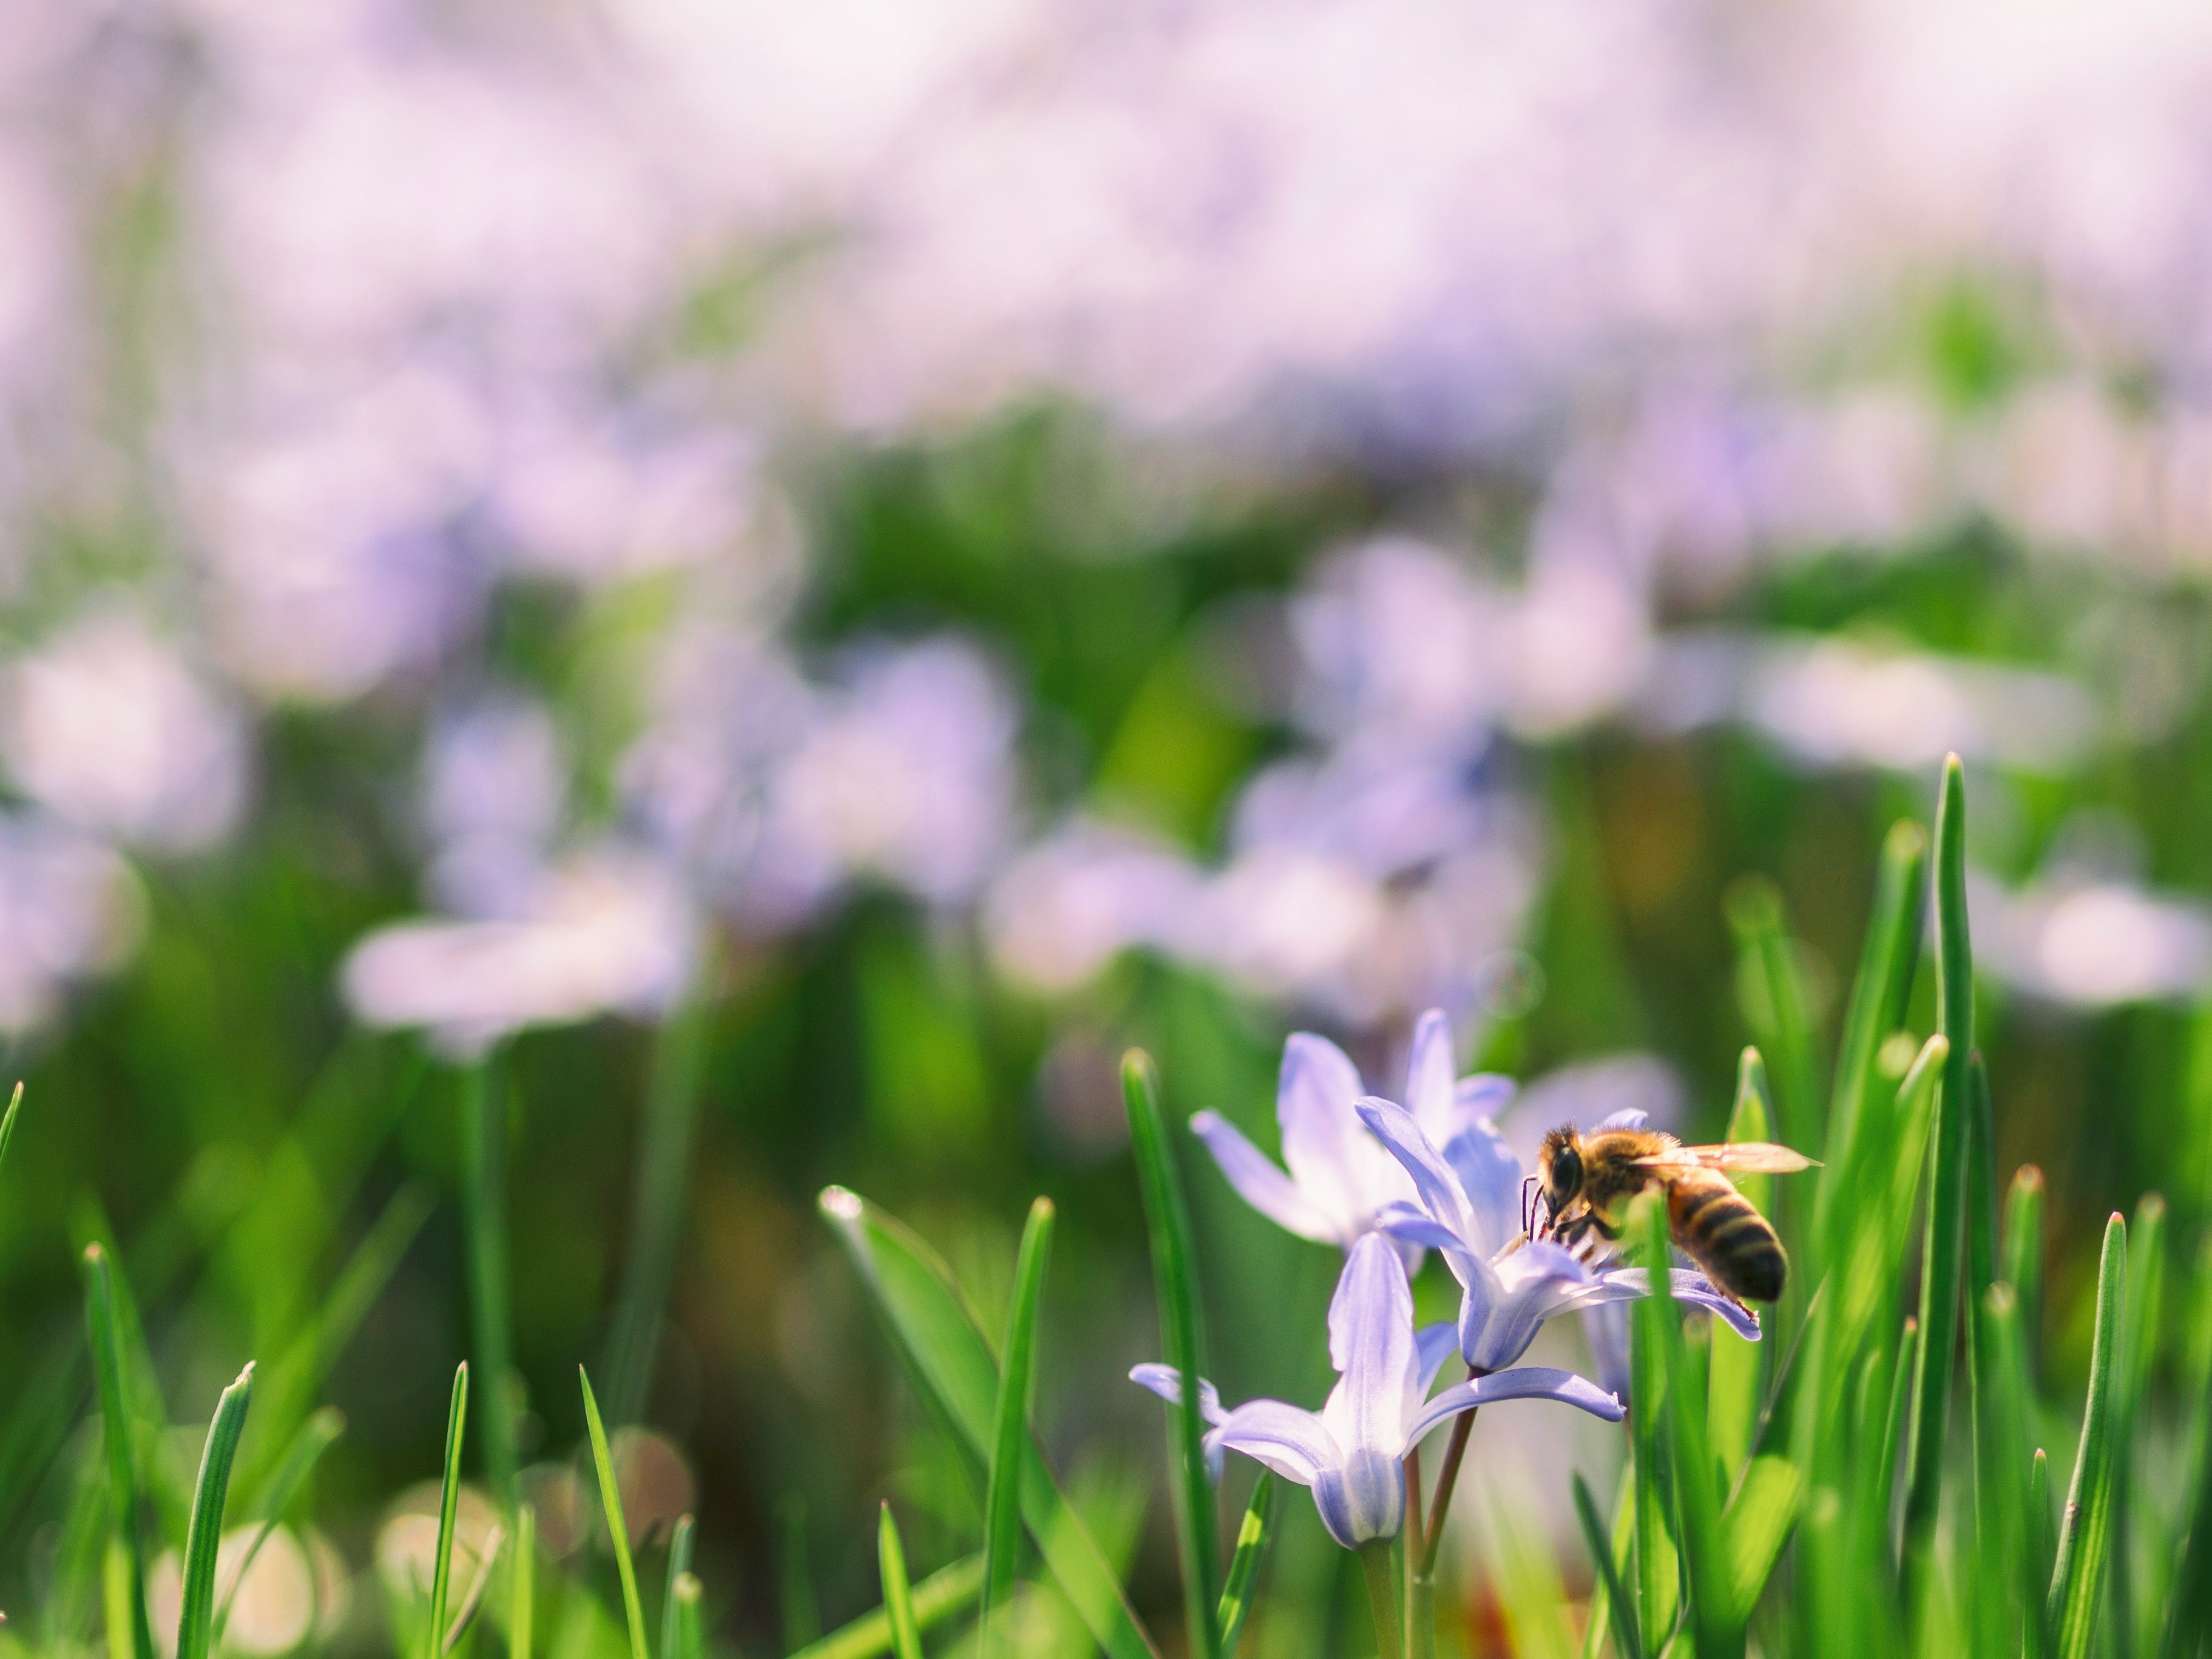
column 286, row 1593
column 1063, row 909
column 2091, row 942
column 69, row 909
column 1837, row 702
column 104, row 725
column 607, row 932
column 1395, row 634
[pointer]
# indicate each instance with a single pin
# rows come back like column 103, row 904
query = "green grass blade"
column 2023, row 1258
column 935, row 1599
column 617, row 1528
column 2139, row 1332
column 195, row 1616
column 661, row 1204
column 1941, row 1267
column 1175, row 1275
column 8, row 1122
column 680, row 1546
column 1656, row 1321
column 473, row 1598
column 1658, row 1562
column 2006, row 1568
column 1252, row 1537
column 1880, row 996
column 1981, row 1259
column 2085, row 1538
column 1777, row 1006
column 106, row 1344
column 1735, row 1364
column 522, row 1582
column 1756, row 1525
column 1896, row 1425
column 688, row 1640
column 948, row 1360
column 315, row 1436
column 483, row 1175
column 898, row 1599
column 2188, row 1613
column 449, row 1497
column 1002, row 1511
column 1620, row 1606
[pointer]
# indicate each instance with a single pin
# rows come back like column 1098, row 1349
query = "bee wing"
column 1751, row 1156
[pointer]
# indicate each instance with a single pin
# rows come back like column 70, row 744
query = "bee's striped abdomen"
column 1726, row 1236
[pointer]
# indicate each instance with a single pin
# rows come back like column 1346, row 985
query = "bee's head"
column 1559, row 1164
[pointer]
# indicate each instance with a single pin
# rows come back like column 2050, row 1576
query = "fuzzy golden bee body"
column 1587, row 1181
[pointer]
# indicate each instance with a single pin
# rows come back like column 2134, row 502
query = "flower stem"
column 1432, row 1535
column 1382, row 1597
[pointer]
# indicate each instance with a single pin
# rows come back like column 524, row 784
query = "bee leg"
column 1528, row 1208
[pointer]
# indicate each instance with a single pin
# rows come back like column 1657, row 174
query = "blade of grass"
column 2009, row 1561
column 680, row 1544
column 1620, row 1605
column 315, row 1437
column 1755, row 1526
column 449, row 1497
column 617, row 1528
column 204, row 1542
column 1656, row 1321
column 935, row 1599
column 1252, row 1537
column 688, row 1640
column 483, row 1175
column 1658, row 1564
column 1732, row 1389
column 2085, row 1537
column 1981, row 1259
column 1880, row 996
column 898, row 1599
column 1895, row 1427
column 1940, row 1265
column 662, row 1202
column 2139, row 1330
column 1175, row 1275
column 2188, row 1608
column 521, row 1582
column 948, row 1360
column 1002, row 1512
column 2023, row 1258
column 1775, row 1006
column 473, row 1598
column 123, row 1483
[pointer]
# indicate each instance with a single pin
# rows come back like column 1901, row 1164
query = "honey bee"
column 1585, row 1182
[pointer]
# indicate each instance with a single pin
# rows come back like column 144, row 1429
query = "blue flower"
column 1467, row 1205
column 1351, row 1451
column 1339, row 1177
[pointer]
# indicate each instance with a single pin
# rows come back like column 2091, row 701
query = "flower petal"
column 1411, row 1224
column 1629, row 1118
column 1698, row 1290
column 1490, row 1174
column 1166, row 1382
column 1524, row 1382
column 1321, row 1146
column 1292, row 1443
column 1260, row 1183
column 1483, row 1095
column 1438, row 1187
column 1364, row 1499
column 1371, row 1342
column 1605, row 1328
column 1429, row 1094
column 1538, row 1281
